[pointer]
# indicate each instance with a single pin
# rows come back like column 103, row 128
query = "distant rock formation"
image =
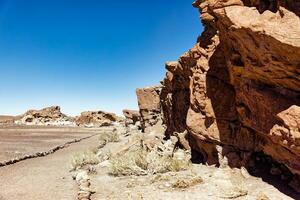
column 150, row 109
column 46, row 116
column 97, row 119
column 6, row 120
column 237, row 91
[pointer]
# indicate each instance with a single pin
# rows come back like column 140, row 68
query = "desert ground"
column 19, row 141
column 44, row 175
column 52, row 176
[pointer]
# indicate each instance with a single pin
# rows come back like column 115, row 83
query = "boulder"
column 96, row 119
column 150, row 109
column 131, row 116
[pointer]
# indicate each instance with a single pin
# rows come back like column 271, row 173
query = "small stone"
column 81, row 175
column 245, row 173
column 167, row 185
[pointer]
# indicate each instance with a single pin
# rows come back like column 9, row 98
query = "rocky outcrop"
column 46, row 116
column 131, row 117
column 96, row 119
column 150, row 109
column 237, row 91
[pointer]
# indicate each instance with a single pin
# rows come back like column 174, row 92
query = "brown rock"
column 237, row 91
column 96, row 119
column 132, row 116
column 46, row 116
column 150, row 109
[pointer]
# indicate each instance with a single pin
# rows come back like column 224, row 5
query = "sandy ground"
column 42, row 178
column 18, row 141
column 218, row 184
column 49, row 177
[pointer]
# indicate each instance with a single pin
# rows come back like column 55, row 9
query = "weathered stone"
column 46, row 116
column 96, row 119
column 237, row 91
column 132, row 117
column 150, row 109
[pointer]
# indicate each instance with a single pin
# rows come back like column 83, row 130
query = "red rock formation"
column 150, row 109
column 131, row 116
column 237, row 91
column 96, row 119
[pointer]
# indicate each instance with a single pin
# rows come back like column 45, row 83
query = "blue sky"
column 88, row 54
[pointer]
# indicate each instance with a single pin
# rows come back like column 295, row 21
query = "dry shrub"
column 108, row 137
column 161, row 178
column 127, row 164
column 185, row 182
column 140, row 162
column 84, row 158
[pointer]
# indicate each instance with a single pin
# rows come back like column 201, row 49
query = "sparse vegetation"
column 161, row 178
column 107, row 138
column 141, row 162
column 184, row 182
column 84, row 158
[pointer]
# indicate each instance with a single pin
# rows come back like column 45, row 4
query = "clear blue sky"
column 88, row 54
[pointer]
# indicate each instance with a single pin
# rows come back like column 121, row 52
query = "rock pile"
column 97, row 119
column 46, row 116
column 83, row 183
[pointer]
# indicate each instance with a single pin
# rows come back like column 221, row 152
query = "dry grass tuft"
column 85, row 158
column 185, row 182
column 141, row 162
column 131, row 163
column 107, row 138
column 161, row 178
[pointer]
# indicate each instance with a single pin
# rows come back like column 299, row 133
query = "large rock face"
column 46, row 116
column 150, row 109
column 237, row 91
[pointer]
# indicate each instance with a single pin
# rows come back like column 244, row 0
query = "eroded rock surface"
column 151, row 109
column 46, row 116
column 131, row 117
column 237, row 91
column 97, row 119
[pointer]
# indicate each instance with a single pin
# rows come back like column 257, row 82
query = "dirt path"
column 42, row 178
